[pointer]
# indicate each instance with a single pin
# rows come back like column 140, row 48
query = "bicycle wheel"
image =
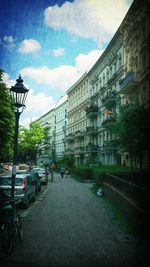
column 7, row 239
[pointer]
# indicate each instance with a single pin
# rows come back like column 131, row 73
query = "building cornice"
column 84, row 76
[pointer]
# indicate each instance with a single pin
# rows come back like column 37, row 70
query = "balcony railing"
column 79, row 150
column 91, row 130
column 95, row 95
column 69, row 151
column 109, row 100
column 79, row 134
column 70, row 137
column 111, row 118
column 64, row 128
column 128, row 83
column 112, row 78
column 91, row 148
column 110, row 145
column 91, row 111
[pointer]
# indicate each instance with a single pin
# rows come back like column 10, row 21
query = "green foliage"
column 97, row 174
column 29, row 140
column 66, row 162
column 7, row 121
column 132, row 130
column 84, row 172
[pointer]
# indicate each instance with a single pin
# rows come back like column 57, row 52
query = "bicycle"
column 11, row 226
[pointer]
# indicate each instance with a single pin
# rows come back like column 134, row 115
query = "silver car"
column 24, row 188
column 42, row 175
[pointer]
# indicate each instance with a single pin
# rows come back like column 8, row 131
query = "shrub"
column 84, row 172
column 97, row 174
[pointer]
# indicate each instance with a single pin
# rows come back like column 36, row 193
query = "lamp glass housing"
column 19, row 93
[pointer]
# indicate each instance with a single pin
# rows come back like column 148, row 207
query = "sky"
column 51, row 43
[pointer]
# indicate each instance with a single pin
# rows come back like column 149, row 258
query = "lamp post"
column 19, row 93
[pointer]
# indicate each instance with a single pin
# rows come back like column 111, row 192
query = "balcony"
column 64, row 140
column 114, row 76
column 109, row 100
column 110, row 118
column 91, row 130
column 128, row 84
column 110, row 145
column 79, row 150
column 91, row 111
column 94, row 79
column 64, row 128
column 45, row 145
column 91, row 148
column 68, row 152
column 79, row 134
column 95, row 95
column 70, row 137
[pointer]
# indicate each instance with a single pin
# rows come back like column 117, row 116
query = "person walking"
column 67, row 172
column 62, row 171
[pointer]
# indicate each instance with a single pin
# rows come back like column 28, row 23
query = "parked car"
column 24, row 188
column 42, row 175
column 21, row 171
column 36, row 181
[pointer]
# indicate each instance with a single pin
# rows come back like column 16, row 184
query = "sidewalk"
column 71, row 227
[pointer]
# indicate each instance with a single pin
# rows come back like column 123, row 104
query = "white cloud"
column 36, row 104
column 85, row 62
column 29, row 46
column 64, row 76
column 96, row 19
column 58, row 52
column 8, row 41
column 8, row 81
column 26, row 121
column 57, row 78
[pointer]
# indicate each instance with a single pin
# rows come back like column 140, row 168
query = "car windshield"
column 39, row 170
column 5, row 180
column 18, row 181
column 21, row 171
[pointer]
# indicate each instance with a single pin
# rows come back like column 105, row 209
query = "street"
column 68, row 226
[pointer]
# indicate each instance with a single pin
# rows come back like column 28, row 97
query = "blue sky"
column 52, row 43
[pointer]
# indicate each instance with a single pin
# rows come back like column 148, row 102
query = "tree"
column 29, row 140
column 132, row 130
column 7, row 121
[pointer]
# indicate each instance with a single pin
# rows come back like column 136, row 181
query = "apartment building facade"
column 46, row 147
column 60, row 126
column 78, row 98
column 92, row 103
column 119, row 77
column 54, row 123
column 135, row 86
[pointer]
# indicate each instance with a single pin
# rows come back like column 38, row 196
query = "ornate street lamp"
column 19, row 93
